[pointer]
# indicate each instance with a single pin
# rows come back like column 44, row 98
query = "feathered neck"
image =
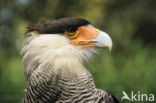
column 55, row 50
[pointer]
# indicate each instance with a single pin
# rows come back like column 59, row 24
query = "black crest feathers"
column 57, row 26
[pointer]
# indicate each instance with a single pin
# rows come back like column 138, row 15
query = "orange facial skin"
column 84, row 35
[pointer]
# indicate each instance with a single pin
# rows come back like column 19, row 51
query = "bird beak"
column 102, row 40
column 90, row 37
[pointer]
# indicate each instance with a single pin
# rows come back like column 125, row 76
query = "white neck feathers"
column 54, row 50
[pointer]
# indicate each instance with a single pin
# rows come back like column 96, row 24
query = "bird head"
column 67, row 36
column 87, row 36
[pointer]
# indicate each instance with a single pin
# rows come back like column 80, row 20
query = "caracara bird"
column 55, row 55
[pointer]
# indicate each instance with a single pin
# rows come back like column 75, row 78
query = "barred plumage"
column 64, row 88
column 56, row 72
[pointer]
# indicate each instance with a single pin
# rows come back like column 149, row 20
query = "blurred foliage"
column 130, row 66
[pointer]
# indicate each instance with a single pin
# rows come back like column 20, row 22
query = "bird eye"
column 72, row 34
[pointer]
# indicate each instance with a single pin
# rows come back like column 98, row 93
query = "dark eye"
column 71, row 29
column 73, row 33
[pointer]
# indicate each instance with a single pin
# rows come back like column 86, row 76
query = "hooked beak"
column 90, row 37
column 102, row 40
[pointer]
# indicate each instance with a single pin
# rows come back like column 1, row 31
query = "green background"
column 130, row 66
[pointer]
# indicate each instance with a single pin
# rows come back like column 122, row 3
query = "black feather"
column 58, row 26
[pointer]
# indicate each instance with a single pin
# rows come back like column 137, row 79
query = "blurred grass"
column 133, row 71
column 12, row 80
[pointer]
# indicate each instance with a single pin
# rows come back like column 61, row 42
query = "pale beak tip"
column 103, row 40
